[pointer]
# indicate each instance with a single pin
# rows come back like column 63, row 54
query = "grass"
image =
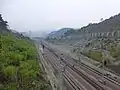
column 18, row 64
column 95, row 55
column 115, row 52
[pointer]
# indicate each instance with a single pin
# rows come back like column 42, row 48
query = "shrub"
column 10, row 72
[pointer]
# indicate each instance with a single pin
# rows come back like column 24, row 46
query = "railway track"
column 69, row 79
column 106, row 76
column 111, row 79
column 89, row 80
column 97, row 86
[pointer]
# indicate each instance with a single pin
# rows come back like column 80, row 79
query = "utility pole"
column 103, row 60
column 103, row 63
column 78, row 54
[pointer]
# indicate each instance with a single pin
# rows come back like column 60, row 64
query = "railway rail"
column 108, row 77
column 71, row 81
column 97, row 86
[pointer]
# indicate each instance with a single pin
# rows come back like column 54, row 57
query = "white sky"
column 48, row 15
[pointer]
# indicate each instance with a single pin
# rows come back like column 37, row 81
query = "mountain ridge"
column 59, row 33
column 107, row 25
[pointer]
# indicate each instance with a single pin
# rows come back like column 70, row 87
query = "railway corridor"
column 77, row 77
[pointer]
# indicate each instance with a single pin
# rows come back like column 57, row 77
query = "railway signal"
column 79, row 54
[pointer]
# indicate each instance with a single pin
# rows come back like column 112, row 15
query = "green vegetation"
column 115, row 52
column 18, row 64
column 95, row 55
column 19, row 68
column 114, row 49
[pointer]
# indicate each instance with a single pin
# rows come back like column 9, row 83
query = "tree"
column 3, row 24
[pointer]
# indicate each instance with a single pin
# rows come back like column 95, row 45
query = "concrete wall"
column 113, row 34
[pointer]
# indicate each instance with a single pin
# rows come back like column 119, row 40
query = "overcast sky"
column 48, row 15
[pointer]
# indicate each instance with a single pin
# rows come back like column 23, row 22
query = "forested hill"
column 107, row 25
column 19, row 68
column 59, row 33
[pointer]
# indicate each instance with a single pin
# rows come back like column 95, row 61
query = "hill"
column 108, row 25
column 60, row 33
column 19, row 67
column 107, row 28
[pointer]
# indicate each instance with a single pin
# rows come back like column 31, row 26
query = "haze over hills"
column 59, row 33
column 108, row 25
column 35, row 33
column 39, row 34
column 59, row 45
column 96, row 41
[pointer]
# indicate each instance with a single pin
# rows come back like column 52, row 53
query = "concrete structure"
column 113, row 34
